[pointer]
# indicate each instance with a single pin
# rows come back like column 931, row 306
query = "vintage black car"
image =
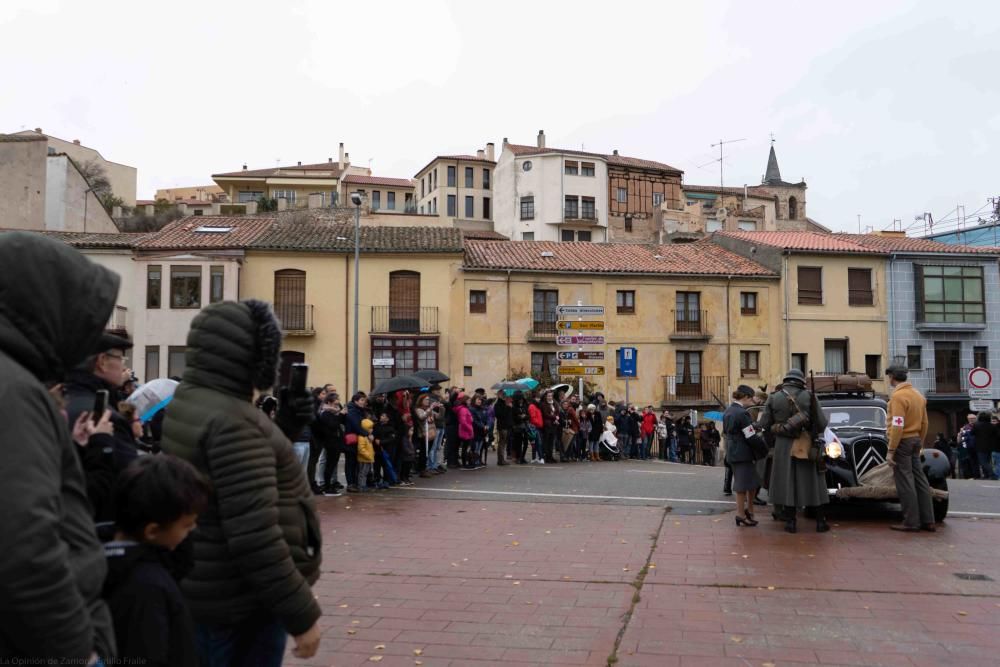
column 857, row 424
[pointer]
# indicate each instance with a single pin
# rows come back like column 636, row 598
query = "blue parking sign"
column 627, row 361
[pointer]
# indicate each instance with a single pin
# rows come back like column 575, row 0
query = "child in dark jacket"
column 387, row 441
column 156, row 500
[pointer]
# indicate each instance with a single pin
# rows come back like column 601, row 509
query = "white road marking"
column 567, row 495
column 662, row 472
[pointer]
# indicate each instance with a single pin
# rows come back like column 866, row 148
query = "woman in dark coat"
column 984, row 431
column 738, row 428
column 794, row 482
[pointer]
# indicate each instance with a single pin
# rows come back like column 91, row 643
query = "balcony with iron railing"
column 690, row 325
column 693, row 389
column 543, row 325
column 404, row 320
column 946, row 381
column 296, row 318
column 117, row 322
column 584, row 214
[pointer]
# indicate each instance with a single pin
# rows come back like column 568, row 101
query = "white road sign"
column 566, row 310
column 980, row 406
column 579, row 340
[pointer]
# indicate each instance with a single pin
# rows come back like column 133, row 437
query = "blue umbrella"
column 714, row 416
column 528, row 382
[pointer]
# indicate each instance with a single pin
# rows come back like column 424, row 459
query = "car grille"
column 868, row 453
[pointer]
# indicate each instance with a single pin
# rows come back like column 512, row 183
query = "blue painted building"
column 944, row 318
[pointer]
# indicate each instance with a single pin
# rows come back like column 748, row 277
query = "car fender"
column 935, row 464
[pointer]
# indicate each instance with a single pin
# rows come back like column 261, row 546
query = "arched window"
column 404, row 301
column 793, row 208
column 290, row 298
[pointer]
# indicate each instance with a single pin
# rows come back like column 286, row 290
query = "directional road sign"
column 579, row 340
column 579, row 311
column 591, row 325
column 580, row 356
column 581, row 370
column 627, row 361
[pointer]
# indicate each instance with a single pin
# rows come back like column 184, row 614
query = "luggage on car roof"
column 847, row 383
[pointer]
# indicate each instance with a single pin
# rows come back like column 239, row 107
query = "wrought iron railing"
column 695, row 388
column 295, row 317
column 117, row 321
column 690, row 322
column 543, row 322
column 404, row 319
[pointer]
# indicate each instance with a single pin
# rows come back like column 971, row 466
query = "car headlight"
column 834, row 449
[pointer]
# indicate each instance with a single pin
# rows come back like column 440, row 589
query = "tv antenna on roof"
column 721, row 144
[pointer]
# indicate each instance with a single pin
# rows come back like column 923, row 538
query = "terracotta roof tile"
column 463, row 158
column 17, row 138
column 483, row 235
column 817, row 242
column 332, row 237
column 97, row 240
column 701, row 258
column 332, row 167
column 184, row 233
column 621, row 160
column 145, row 202
column 378, row 180
column 908, row 244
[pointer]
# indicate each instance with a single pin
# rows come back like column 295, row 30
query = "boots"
column 727, row 484
column 790, row 526
column 821, row 525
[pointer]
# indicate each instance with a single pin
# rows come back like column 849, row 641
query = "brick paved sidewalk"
column 411, row 581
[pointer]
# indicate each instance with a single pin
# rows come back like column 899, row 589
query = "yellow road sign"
column 587, row 325
column 581, row 370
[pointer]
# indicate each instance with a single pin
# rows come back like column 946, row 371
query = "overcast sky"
column 885, row 108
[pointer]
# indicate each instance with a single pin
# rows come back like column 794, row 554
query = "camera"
column 357, row 198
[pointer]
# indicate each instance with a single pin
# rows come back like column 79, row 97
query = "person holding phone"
column 55, row 304
column 258, row 544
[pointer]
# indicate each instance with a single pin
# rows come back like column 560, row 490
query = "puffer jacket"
column 54, row 304
column 466, row 430
column 257, row 545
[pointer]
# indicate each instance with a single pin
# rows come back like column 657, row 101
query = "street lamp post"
column 356, row 200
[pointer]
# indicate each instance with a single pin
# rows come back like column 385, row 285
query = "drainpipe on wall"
column 508, row 322
column 788, row 340
column 347, row 320
column 729, row 337
column 891, row 305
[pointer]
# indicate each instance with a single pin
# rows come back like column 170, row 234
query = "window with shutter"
column 810, row 285
column 290, row 298
column 404, row 301
column 859, row 287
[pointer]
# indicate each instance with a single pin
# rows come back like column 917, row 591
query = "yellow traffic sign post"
column 581, row 370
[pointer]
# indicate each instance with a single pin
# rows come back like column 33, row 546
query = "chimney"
column 76, row 141
column 541, row 138
column 481, row 154
column 299, row 163
column 505, row 142
column 38, row 130
column 614, row 152
column 490, row 151
column 329, row 160
column 347, row 158
column 341, row 162
column 244, row 166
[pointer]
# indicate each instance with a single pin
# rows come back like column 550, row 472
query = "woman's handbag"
column 351, row 439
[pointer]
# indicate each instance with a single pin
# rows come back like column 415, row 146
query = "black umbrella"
column 432, row 376
column 398, row 383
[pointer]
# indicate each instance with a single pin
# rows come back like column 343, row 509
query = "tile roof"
column 97, row 240
column 184, row 233
column 483, row 235
column 903, row 244
column 17, row 138
column 816, row 242
column 621, row 160
column 333, row 237
column 701, row 258
column 332, row 167
column 144, row 202
column 379, row 180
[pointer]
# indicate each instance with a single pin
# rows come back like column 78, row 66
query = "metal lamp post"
column 356, row 200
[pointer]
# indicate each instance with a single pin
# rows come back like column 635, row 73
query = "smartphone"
column 100, row 404
column 297, row 380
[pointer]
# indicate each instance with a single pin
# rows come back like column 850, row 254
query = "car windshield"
column 841, row 416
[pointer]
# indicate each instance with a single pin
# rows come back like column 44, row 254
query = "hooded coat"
column 257, row 545
column 54, row 304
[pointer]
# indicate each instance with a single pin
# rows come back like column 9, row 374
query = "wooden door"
column 947, row 368
column 689, row 375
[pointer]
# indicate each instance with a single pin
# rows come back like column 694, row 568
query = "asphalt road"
column 686, row 489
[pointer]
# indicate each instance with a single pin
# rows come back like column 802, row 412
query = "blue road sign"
column 627, row 361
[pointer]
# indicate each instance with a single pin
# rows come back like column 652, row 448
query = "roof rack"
column 841, row 384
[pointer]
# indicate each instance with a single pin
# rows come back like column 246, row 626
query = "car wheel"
column 940, row 506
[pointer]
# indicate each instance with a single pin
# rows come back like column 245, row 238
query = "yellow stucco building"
column 834, row 313
column 406, row 318
column 702, row 319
